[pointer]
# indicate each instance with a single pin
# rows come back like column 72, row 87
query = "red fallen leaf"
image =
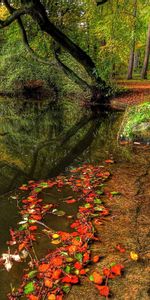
column 43, row 268
column 82, row 272
column 70, row 279
column 23, row 188
column 70, row 201
column 56, row 274
column 105, row 212
column 96, row 258
column 78, row 266
column 116, row 270
column 57, row 261
column 107, row 273
column 97, row 277
column 36, row 217
column 120, row 248
column 59, row 297
column 32, row 297
column 64, row 235
column 86, row 257
column 109, row 161
column 32, row 228
column 103, row 290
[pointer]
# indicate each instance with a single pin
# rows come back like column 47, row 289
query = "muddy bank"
column 128, row 225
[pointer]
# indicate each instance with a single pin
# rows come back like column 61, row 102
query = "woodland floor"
column 135, row 92
column 129, row 225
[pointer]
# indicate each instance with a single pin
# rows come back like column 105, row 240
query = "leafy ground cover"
column 136, row 92
column 52, row 276
column 136, row 123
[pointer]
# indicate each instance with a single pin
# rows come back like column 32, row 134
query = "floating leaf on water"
column 68, row 269
column 87, row 205
column 55, row 242
column 32, row 274
column 69, row 259
column 79, row 256
column 55, row 236
column 37, row 190
column 60, row 213
column 77, row 272
column 29, row 288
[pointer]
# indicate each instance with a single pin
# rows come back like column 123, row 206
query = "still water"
column 39, row 140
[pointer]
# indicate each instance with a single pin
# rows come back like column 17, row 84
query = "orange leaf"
column 43, row 268
column 57, row 274
column 95, row 258
column 36, row 217
column 48, row 282
column 51, row 297
column 57, row 261
column 32, row 297
column 97, row 277
column 22, row 245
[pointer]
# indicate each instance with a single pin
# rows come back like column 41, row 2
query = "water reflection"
column 35, row 138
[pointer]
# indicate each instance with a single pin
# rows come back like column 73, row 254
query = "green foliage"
column 135, row 116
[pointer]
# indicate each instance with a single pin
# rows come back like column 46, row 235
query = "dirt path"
column 129, row 225
column 136, row 92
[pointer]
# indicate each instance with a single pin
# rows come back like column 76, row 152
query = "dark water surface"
column 40, row 140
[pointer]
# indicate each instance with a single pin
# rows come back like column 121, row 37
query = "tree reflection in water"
column 40, row 139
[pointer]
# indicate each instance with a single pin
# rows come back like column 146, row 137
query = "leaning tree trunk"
column 39, row 15
column 98, row 86
column 147, row 54
column 132, row 51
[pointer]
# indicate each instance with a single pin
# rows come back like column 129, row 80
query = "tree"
column 131, row 59
column 146, row 57
column 37, row 10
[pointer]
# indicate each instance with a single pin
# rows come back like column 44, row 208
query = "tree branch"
column 101, row 2
column 17, row 13
column 70, row 73
column 25, row 38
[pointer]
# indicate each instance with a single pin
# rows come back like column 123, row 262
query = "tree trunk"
column 99, row 88
column 131, row 62
column 147, row 54
column 131, row 59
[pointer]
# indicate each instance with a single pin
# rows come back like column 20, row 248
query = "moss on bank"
column 136, row 123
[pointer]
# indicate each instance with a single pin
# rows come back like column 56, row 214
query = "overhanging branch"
column 24, row 36
column 70, row 73
column 101, row 2
column 14, row 16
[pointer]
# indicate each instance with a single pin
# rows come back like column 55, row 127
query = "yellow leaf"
column 55, row 236
column 56, row 242
column 134, row 255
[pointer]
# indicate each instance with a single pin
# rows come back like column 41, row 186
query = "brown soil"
column 136, row 92
column 129, row 225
